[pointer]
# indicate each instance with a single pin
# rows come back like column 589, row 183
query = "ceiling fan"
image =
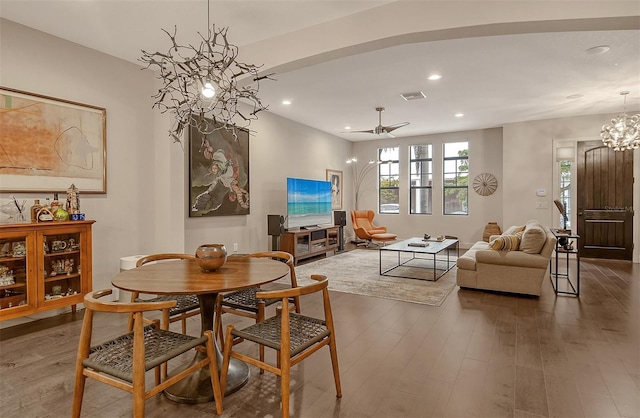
column 380, row 129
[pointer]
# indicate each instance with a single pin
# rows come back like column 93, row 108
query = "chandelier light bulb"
column 208, row 91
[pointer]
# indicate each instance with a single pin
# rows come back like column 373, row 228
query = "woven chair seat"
column 245, row 299
column 115, row 357
column 184, row 303
column 304, row 336
column 304, row 331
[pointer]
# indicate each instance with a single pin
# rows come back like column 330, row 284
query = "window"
column 420, row 179
column 389, row 180
column 565, row 192
column 456, row 178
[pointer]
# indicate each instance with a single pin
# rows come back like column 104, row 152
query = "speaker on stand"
column 275, row 228
column 340, row 219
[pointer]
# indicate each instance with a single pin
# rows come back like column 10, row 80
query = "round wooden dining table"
column 185, row 277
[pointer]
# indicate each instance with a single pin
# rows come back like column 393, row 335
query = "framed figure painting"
column 47, row 144
column 335, row 177
column 218, row 173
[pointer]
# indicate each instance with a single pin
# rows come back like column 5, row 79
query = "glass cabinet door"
column 62, row 264
column 14, row 290
column 302, row 244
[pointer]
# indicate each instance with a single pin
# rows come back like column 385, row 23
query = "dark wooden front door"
column 605, row 201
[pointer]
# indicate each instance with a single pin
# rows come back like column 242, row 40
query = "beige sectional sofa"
column 519, row 270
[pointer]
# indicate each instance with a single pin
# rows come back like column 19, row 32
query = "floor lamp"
column 359, row 173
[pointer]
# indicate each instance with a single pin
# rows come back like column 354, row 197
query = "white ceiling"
column 493, row 80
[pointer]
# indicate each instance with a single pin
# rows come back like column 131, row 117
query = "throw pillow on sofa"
column 533, row 239
column 512, row 230
column 506, row 242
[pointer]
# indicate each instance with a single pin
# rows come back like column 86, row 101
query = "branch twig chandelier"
column 203, row 86
column 623, row 132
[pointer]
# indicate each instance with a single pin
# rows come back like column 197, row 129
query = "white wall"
column 520, row 156
column 528, row 165
column 485, row 150
column 39, row 63
column 280, row 149
column 144, row 209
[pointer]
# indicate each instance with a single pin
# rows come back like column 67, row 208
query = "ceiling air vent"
column 413, row 96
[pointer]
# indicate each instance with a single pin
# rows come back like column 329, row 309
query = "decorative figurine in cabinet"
column 62, row 259
column 14, row 289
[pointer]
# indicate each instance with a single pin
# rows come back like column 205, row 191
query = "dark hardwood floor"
column 478, row 355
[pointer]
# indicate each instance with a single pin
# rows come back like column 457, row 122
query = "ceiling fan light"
column 381, row 130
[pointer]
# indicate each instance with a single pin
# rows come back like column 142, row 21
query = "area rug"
column 357, row 272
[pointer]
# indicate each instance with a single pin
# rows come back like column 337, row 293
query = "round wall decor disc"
column 485, row 184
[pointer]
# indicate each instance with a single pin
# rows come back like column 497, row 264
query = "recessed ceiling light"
column 459, row 115
column 347, row 127
column 434, row 77
column 575, row 96
column 598, row 50
column 286, row 102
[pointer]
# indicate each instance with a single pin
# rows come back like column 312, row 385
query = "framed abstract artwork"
column 335, row 177
column 218, row 173
column 46, row 144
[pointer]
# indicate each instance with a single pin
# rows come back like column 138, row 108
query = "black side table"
column 566, row 244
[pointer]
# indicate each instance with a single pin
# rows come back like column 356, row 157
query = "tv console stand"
column 307, row 243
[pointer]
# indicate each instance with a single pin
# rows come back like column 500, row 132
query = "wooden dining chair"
column 122, row 362
column 294, row 336
column 186, row 305
column 244, row 302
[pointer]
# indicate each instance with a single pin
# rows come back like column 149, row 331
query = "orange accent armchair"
column 362, row 222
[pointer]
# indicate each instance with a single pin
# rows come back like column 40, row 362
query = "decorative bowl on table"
column 211, row 257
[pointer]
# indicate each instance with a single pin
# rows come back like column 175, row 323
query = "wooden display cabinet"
column 307, row 243
column 44, row 266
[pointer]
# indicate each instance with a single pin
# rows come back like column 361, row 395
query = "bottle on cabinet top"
column 55, row 204
column 34, row 210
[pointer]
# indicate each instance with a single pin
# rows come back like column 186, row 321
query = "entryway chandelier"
column 204, row 85
column 623, row 132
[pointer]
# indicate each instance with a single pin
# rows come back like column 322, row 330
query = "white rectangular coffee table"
column 440, row 265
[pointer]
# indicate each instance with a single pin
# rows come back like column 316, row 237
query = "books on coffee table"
column 418, row 244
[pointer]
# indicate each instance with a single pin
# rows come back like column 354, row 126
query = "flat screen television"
column 308, row 203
